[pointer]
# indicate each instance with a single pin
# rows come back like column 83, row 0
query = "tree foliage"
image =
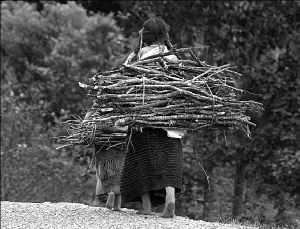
column 44, row 54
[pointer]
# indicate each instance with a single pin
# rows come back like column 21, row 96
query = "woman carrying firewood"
column 152, row 170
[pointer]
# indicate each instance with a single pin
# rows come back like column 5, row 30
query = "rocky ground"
column 74, row 215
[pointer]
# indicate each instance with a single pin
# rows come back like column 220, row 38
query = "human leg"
column 146, row 204
column 117, row 203
column 169, row 210
column 99, row 190
column 110, row 200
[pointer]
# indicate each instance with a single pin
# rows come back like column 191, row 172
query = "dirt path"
column 74, row 215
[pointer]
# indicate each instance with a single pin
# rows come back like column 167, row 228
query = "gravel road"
column 74, row 215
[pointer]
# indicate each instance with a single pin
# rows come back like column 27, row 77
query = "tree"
column 44, row 54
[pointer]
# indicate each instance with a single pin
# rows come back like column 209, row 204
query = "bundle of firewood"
column 157, row 92
column 81, row 132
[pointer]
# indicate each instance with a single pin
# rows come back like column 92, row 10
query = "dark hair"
column 154, row 30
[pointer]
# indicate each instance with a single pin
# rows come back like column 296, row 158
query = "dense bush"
column 43, row 56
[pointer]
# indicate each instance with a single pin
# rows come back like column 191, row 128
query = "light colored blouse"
column 149, row 51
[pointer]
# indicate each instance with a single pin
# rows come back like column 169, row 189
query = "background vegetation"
column 47, row 47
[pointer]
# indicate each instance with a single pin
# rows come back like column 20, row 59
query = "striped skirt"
column 152, row 162
column 108, row 164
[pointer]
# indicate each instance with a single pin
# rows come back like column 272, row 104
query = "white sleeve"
column 172, row 58
column 174, row 132
column 129, row 58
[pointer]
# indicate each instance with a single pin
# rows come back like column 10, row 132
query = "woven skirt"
column 152, row 162
column 108, row 164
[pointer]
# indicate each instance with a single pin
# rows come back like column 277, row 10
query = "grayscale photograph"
column 150, row 114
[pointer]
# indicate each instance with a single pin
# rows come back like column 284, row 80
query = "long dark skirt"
column 153, row 161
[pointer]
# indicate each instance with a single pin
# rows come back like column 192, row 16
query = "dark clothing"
column 152, row 162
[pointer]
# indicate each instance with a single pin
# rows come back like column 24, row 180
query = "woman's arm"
column 175, row 132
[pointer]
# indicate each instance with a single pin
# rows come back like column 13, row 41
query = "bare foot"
column 110, row 200
column 97, row 202
column 146, row 205
column 142, row 211
column 169, row 211
column 117, row 203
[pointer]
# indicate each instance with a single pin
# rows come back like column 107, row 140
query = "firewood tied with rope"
column 160, row 93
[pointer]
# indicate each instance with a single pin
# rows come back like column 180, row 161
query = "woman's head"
column 154, row 31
